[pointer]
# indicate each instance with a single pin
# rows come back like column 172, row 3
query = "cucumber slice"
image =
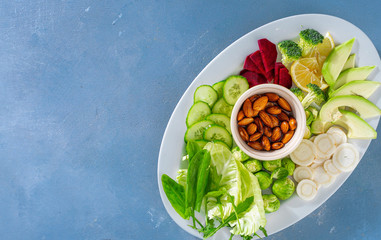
column 222, row 107
column 201, row 143
column 206, row 94
column 197, row 112
column 219, row 142
column 219, row 87
column 216, row 132
column 196, row 131
column 220, row 119
column 234, row 87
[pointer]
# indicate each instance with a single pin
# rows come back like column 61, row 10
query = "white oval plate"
column 229, row 62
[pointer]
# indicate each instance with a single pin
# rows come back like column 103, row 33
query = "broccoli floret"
column 315, row 95
column 309, row 38
column 290, row 51
column 298, row 93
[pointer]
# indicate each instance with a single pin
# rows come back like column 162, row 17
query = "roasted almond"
column 260, row 103
column 247, row 108
column 255, row 145
column 272, row 97
column 283, row 117
column 275, row 110
column 254, row 97
column 243, row 134
column 270, row 104
column 275, row 121
column 245, row 121
column 284, row 104
column 259, row 124
column 276, row 134
column 284, row 127
column 240, row 115
column 266, row 119
column 292, row 123
column 277, row 145
column 267, row 131
column 286, row 138
column 251, row 129
column 255, row 137
column 266, row 143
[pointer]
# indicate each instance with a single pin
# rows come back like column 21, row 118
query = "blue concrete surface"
column 86, row 90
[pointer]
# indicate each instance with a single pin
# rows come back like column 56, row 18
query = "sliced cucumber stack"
column 196, row 131
column 222, row 107
column 197, row 112
column 206, row 94
column 234, row 87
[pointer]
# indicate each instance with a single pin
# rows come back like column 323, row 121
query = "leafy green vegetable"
column 191, row 186
column 175, row 194
column 192, row 148
column 202, row 180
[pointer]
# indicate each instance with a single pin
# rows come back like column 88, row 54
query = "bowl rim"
column 298, row 113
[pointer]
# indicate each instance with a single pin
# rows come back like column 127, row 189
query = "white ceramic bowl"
column 297, row 110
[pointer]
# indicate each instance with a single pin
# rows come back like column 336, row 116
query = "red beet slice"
column 254, row 78
column 285, row 78
column 268, row 52
column 270, row 76
column 250, row 65
column 243, row 71
column 257, row 59
column 278, row 66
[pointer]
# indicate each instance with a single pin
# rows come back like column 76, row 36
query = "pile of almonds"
column 265, row 122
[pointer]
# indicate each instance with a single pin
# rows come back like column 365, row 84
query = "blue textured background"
column 86, row 91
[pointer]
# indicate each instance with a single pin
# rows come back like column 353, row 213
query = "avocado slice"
column 318, row 127
column 350, row 63
column 358, row 87
column 356, row 126
column 335, row 61
column 330, row 110
column 351, row 74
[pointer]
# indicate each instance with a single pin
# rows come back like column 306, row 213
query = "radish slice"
column 330, row 168
column 346, row 157
column 321, row 177
column 325, row 146
column 338, row 135
column 304, row 154
column 307, row 189
column 301, row 173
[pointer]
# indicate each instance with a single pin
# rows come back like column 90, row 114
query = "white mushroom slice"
column 321, row 177
column 307, row 189
column 337, row 134
column 301, row 173
column 304, row 154
column 325, row 146
column 330, row 168
column 346, row 157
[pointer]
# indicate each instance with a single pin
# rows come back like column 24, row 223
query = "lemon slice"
column 322, row 50
column 305, row 71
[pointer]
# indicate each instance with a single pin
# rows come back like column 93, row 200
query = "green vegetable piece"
column 191, row 186
column 315, row 95
column 181, row 177
column 202, row 180
column 279, row 173
column 253, row 165
column 239, row 155
column 283, row 188
column 242, row 207
column 290, row 51
column 175, row 194
column 264, row 179
column 309, row 39
column 271, row 203
column 288, row 164
column 298, row 93
column 192, row 148
column 309, row 117
column 272, row 165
